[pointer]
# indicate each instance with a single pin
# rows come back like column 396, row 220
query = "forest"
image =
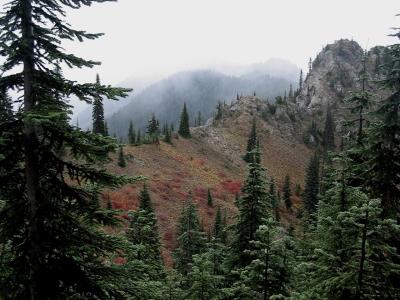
column 62, row 238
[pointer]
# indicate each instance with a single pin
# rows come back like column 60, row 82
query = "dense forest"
column 58, row 231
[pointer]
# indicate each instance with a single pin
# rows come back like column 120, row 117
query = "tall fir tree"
column 98, row 112
column 254, row 208
column 191, row 240
column 143, row 234
column 121, row 157
column 301, row 80
column 287, row 193
column 131, row 134
column 329, row 131
column 252, row 143
column 311, row 189
column 52, row 219
column 210, row 201
column 153, row 129
column 184, row 130
column 6, row 111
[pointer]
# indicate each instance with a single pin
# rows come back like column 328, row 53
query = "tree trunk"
column 31, row 146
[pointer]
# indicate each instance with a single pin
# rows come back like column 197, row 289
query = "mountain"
column 335, row 71
column 201, row 90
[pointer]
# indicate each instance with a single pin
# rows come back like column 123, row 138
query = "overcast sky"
column 157, row 37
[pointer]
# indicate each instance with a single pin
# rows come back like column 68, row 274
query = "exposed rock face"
column 334, row 73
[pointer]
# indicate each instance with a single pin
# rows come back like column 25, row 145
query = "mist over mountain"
column 201, row 90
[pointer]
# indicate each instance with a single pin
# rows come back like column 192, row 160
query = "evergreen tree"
column 131, row 134
column 219, row 111
column 139, row 137
column 98, row 112
column 301, row 80
column 291, row 95
column 268, row 273
column 381, row 167
column 191, row 239
column 204, row 281
column 311, row 189
column 274, row 199
column 287, row 193
column 153, row 129
column 184, row 130
column 210, row 201
column 237, row 97
column 199, row 119
column 143, row 234
column 52, row 219
column 310, row 65
column 167, row 136
column 121, row 157
column 253, row 208
column 6, row 112
column 105, row 129
column 329, row 131
column 252, row 143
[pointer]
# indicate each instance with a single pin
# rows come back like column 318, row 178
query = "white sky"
column 156, row 37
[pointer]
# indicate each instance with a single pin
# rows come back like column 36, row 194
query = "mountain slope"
column 201, row 90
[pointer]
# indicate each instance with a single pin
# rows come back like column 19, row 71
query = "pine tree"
column 267, row 274
column 237, row 97
column 52, row 219
column 121, row 157
column 167, row 136
column 105, row 129
column 153, row 129
column 219, row 227
column 291, row 95
column 98, row 112
column 301, row 80
column 253, row 208
column 139, row 137
column 143, row 234
column 252, row 143
column 199, row 119
column 184, row 130
column 383, row 140
column 310, row 65
column 6, row 112
column 131, row 134
column 274, row 199
column 219, row 111
column 191, row 239
column 311, row 189
column 210, row 201
column 287, row 193
column 329, row 131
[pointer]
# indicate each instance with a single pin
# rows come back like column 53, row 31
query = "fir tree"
column 210, row 201
column 329, row 131
column 311, row 189
column 218, row 224
column 121, row 157
column 143, row 234
column 184, row 130
column 301, row 80
column 98, row 112
column 139, row 137
column 274, row 199
column 52, row 219
column 191, row 239
column 252, row 143
column 106, row 129
column 167, row 136
column 237, row 97
column 153, row 129
column 253, row 208
column 287, row 193
column 6, row 112
column 291, row 95
column 219, row 111
column 131, row 134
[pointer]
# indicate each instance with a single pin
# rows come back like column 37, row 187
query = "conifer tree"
column 153, row 129
column 143, row 234
column 237, row 97
column 191, row 239
column 121, row 157
column 139, row 137
column 268, row 273
column 218, row 224
column 329, row 131
column 167, row 136
column 210, row 201
column 6, row 112
column 51, row 220
column 291, row 95
column 274, row 199
column 98, row 112
column 287, row 193
column 105, row 129
column 219, row 111
column 252, row 143
column 131, row 134
column 184, row 130
column 311, row 189
column 383, row 140
column 301, row 80
column 254, row 207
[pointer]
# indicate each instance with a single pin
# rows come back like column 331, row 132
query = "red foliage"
column 120, row 260
column 232, row 186
column 222, row 174
column 200, row 192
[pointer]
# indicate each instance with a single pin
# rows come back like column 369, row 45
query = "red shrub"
column 232, row 186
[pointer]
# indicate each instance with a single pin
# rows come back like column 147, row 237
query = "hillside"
column 211, row 159
column 201, row 90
